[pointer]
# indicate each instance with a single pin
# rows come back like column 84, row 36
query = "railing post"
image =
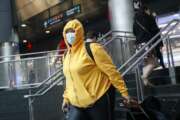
column 140, row 83
column 137, row 85
column 31, row 110
column 171, row 62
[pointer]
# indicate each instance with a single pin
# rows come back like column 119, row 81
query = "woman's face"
column 70, row 36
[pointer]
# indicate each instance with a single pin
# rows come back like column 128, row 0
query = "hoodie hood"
column 79, row 33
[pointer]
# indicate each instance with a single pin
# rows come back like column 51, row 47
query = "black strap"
column 142, row 27
column 88, row 49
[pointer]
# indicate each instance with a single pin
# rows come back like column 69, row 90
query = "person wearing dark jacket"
column 145, row 28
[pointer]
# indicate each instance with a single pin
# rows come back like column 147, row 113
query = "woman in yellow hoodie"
column 89, row 92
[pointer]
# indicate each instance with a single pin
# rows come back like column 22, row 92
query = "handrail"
column 110, row 32
column 29, row 59
column 34, row 53
column 104, row 36
column 39, row 93
column 49, row 78
column 146, row 45
column 151, row 48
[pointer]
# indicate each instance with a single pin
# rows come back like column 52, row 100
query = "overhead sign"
column 73, row 11
column 62, row 16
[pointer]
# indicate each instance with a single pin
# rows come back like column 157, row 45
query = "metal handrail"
column 29, row 59
column 111, row 32
column 34, row 53
column 146, row 45
column 42, row 92
column 48, row 79
column 151, row 48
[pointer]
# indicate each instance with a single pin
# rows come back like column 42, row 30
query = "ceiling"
column 163, row 6
column 35, row 12
column 29, row 8
column 35, row 29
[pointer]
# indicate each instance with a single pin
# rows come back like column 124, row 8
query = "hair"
column 90, row 34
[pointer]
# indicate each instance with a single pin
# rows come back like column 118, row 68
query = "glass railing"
column 21, row 73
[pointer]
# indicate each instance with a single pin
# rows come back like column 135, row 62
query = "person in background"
column 89, row 88
column 61, row 48
column 90, row 36
column 145, row 29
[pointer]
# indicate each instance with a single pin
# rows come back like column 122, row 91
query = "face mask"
column 70, row 37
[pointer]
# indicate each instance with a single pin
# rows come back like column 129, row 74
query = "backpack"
column 88, row 49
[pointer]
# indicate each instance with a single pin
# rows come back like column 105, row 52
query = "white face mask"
column 70, row 37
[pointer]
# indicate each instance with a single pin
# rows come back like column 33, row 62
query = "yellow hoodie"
column 88, row 80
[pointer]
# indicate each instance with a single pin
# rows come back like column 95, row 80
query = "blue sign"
column 62, row 16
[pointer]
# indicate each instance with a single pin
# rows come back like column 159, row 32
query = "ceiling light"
column 23, row 25
column 24, row 41
column 47, row 31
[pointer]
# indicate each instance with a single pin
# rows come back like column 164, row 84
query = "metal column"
column 121, row 17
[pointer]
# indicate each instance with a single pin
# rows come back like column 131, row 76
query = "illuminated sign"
column 73, row 11
column 62, row 16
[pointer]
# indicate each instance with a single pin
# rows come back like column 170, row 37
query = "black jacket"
column 150, row 27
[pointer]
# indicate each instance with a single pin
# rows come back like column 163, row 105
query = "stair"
column 13, row 105
column 161, row 76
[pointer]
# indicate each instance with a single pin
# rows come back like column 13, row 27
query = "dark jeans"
column 160, row 56
column 103, row 109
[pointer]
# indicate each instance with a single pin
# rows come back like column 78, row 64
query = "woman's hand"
column 129, row 102
column 65, row 106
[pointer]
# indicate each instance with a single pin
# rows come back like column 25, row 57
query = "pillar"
column 8, row 42
column 121, row 18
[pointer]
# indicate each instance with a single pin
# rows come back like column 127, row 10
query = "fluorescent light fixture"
column 23, row 25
